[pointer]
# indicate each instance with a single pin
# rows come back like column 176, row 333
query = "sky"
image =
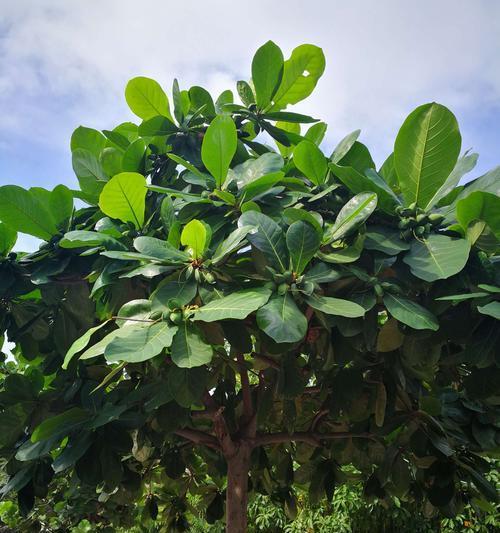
column 66, row 63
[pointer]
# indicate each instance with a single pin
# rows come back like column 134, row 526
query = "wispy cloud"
column 65, row 63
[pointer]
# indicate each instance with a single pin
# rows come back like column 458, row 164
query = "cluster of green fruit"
column 200, row 274
column 289, row 281
column 414, row 221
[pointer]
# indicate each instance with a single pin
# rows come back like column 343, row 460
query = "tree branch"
column 199, row 437
column 228, row 446
column 245, row 389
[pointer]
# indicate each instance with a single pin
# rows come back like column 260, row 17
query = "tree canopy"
column 221, row 307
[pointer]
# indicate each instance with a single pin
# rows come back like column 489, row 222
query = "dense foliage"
column 232, row 309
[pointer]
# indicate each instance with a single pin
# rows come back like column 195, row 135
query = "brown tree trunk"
column 238, row 466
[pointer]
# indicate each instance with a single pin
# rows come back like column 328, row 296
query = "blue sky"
column 63, row 64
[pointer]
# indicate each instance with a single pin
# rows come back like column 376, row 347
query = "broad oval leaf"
column 267, row 70
column 88, row 139
column 182, row 291
column 490, row 309
column 60, row 424
column 252, row 169
column 219, row 146
column 425, row 152
column 437, row 257
column 309, row 159
column 157, row 126
column 140, row 343
column 8, row 238
column 344, row 146
column 196, row 237
column 81, row 343
column 282, row 320
column 229, row 245
column 267, row 236
column 237, row 305
column 352, row 215
column 336, row 306
column 301, row 72
column 303, row 242
column 90, row 239
column 410, row 313
column 160, row 250
column 189, row 350
column 480, row 205
column 146, row 98
column 123, row 197
column 23, row 212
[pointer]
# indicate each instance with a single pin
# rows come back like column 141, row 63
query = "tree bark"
column 238, row 466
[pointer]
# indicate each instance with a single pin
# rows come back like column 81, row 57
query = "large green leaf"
column 237, row 305
column 351, row 216
column 358, row 183
column 252, row 169
column 230, row 244
column 196, row 237
column 336, row 306
column 410, row 313
column 464, row 165
column 300, row 74
column 425, row 152
column 309, row 159
column 157, row 126
column 189, row 349
column 87, row 239
column 182, row 291
column 160, row 250
column 437, row 257
column 282, row 320
column 219, row 146
column 490, row 309
column 267, row 236
column 22, row 211
column 61, row 424
column 344, row 146
column 140, row 343
column 81, row 343
column 267, row 70
column 8, row 238
column 302, row 241
column 480, row 205
column 88, row 139
column 386, row 240
column 123, row 197
column 146, row 98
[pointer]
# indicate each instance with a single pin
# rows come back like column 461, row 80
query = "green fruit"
column 404, row 223
column 288, row 276
column 406, row 212
column 419, row 231
column 378, row 290
column 421, row 219
column 209, row 277
column 428, row 227
column 205, row 194
column 435, row 219
column 282, row 288
column 176, row 317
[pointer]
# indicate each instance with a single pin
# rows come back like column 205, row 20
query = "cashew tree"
column 219, row 308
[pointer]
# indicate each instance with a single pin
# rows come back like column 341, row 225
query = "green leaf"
column 8, row 238
column 187, row 385
column 133, row 158
column 201, row 100
column 196, row 236
column 336, row 306
column 245, row 93
column 88, row 139
column 181, row 291
column 252, row 169
column 464, row 165
column 426, row 151
column 358, row 183
column 237, row 305
column 229, row 245
column 462, row 297
column 293, row 214
column 410, row 313
column 60, row 424
column 260, row 185
column 219, row 146
column 267, row 236
column 140, row 343
column 385, row 240
column 146, row 98
column 123, row 197
column 157, row 127
column 160, row 250
column 316, row 133
column 302, row 241
column 359, row 158
column 189, row 350
column 437, row 257
column 351, row 216
column 309, row 159
column 300, row 74
column 23, row 212
column 80, row 343
column 267, row 71
column 480, row 205
column 282, row 320
column 89, row 239
column 344, row 146
column 491, row 309
column 289, row 117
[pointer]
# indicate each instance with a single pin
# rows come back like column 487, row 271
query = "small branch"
column 198, row 437
column 312, row 438
column 317, row 419
column 228, row 446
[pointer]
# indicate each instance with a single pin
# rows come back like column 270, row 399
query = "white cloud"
column 65, row 63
